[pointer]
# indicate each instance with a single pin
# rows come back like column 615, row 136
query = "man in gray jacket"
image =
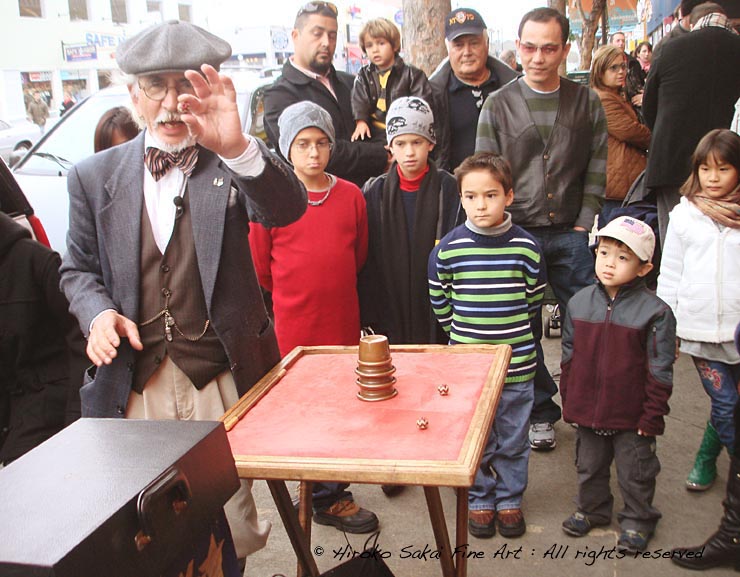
column 461, row 83
column 158, row 270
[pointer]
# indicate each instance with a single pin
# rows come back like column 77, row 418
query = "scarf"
column 404, row 264
column 714, row 19
column 726, row 211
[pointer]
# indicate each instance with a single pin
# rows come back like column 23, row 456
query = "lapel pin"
column 218, row 181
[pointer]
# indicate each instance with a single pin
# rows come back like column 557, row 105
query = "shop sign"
column 80, row 52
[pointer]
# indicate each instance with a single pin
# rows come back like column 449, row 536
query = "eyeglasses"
column 157, row 89
column 312, row 7
column 305, row 146
column 617, row 67
column 547, row 49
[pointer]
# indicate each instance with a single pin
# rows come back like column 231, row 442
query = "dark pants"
column 666, row 197
column 326, row 494
column 570, row 267
column 637, row 467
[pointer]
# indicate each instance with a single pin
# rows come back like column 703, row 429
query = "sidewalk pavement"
column 405, row 531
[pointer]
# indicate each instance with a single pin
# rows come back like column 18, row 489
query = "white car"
column 17, row 137
column 42, row 172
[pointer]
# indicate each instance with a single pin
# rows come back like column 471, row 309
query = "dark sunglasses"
column 312, row 7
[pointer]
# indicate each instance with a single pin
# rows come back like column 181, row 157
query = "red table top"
column 313, row 411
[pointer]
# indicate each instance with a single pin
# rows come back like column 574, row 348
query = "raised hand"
column 212, row 114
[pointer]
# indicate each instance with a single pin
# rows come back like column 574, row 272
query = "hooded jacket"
column 34, row 360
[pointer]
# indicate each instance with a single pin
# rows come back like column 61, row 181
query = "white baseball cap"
column 634, row 233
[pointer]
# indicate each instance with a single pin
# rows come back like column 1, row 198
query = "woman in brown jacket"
column 628, row 138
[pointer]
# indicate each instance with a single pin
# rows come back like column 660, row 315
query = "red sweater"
column 311, row 267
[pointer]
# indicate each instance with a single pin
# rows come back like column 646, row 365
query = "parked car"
column 18, row 138
column 42, row 172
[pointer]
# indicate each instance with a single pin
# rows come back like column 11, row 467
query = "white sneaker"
column 542, row 436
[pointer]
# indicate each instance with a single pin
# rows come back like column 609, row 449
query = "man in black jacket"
column 461, row 83
column 310, row 75
column 690, row 90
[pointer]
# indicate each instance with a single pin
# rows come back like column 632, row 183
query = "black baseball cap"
column 463, row 21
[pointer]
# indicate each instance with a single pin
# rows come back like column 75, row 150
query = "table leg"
column 301, row 544
column 305, row 513
column 461, row 531
column 439, row 526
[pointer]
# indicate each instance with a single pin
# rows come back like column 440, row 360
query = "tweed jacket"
column 101, row 269
column 628, row 141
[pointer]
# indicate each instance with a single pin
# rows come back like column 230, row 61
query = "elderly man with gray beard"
column 158, row 270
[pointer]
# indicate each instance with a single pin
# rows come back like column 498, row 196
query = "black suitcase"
column 117, row 498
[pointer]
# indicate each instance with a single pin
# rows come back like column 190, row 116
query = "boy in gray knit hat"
column 409, row 209
column 310, row 267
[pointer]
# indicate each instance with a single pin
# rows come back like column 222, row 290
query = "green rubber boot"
column 704, row 472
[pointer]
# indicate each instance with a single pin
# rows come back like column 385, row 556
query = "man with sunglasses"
column 310, row 75
column 158, row 270
column 553, row 132
column 461, row 83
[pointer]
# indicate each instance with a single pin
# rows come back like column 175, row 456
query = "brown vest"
column 172, row 282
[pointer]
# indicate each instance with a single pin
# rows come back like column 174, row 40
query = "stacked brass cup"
column 375, row 369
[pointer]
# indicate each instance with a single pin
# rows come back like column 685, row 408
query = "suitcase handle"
column 172, row 485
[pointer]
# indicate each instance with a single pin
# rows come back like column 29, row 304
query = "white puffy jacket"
column 700, row 275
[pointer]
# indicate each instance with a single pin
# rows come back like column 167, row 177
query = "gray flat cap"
column 172, row 46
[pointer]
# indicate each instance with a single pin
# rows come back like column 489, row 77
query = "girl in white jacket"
column 700, row 280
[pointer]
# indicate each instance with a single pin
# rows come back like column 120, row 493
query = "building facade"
column 68, row 46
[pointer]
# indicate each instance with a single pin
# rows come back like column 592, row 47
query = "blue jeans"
column 721, row 381
column 506, row 452
column 570, row 267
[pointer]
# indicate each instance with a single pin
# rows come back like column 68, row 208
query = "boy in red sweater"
column 311, row 266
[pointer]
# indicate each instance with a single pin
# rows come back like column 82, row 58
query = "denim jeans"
column 720, row 381
column 506, row 453
column 570, row 267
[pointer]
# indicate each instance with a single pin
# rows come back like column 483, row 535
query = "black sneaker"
column 348, row 516
column 577, row 525
column 631, row 541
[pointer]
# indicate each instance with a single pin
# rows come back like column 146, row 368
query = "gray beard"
column 173, row 148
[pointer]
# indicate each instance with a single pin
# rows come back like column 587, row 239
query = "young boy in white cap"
column 410, row 208
column 310, row 267
column 619, row 344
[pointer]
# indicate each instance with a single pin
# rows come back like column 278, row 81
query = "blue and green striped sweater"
column 485, row 290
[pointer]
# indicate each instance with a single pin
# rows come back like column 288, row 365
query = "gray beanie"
column 172, row 46
column 298, row 116
column 410, row 115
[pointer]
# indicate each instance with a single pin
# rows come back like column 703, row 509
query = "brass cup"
column 374, row 349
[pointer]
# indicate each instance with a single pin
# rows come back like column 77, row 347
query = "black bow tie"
column 159, row 162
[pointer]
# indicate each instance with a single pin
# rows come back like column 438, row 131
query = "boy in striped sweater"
column 486, row 283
